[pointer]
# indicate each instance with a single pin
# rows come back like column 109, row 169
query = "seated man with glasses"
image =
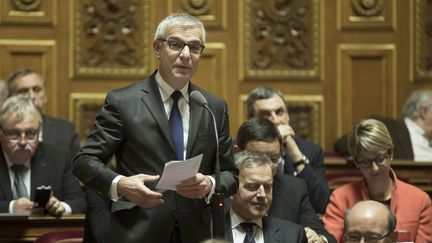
column 372, row 148
column 370, row 221
column 290, row 195
column 26, row 163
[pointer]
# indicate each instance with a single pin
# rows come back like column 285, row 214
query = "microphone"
column 218, row 230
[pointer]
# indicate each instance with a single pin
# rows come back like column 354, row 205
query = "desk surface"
column 28, row 228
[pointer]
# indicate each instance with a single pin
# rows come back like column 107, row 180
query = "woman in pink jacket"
column 372, row 147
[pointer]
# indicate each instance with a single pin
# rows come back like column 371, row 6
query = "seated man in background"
column 25, row 163
column 301, row 158
column 247, row 221
column 54, row 131
column 371, row 221
column 412, row 136
column 290, row 196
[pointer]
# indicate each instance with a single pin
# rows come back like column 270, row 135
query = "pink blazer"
column 411, row 206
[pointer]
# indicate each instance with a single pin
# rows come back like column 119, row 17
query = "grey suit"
column 275, row 230
column 60, row 133
column 50, row 165
column 133, row 125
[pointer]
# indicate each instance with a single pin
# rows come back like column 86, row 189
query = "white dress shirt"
column 420, row 144
column 239, row 233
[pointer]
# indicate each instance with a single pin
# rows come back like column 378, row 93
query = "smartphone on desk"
column 42, row 195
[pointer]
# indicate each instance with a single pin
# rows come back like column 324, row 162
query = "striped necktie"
column 19, row 186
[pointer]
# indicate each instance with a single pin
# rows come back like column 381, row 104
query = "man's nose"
column 185, row 51
column 261, row 191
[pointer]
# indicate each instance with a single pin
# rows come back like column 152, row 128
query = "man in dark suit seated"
column 301, row 158
column 371, row 221
column 54, row 131
column 290, row 196
column 26, row 163
column 412, row 136
column 247, row 221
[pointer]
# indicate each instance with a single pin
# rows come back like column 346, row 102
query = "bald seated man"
column 370, row 221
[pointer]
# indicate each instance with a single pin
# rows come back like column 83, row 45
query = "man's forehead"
column 270, row 104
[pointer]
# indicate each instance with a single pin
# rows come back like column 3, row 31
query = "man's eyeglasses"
column 367, row 163
column 13, row 135
column 178, row 45
column 351, row 238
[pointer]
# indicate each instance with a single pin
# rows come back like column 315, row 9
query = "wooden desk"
column 416, row 173
column 28, row 228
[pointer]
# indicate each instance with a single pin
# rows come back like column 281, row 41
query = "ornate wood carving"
column 26, row 5
column 196, row 7
column 423, row 40
column 305, row 119
column 112, row 37
column 281, row 38
column 367, row 8
column 83, row 108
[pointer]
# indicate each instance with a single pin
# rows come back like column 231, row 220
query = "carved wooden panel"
column 422, row 65
column 305, row 112
column 40, row 55
column 213, row 13
column 111, row 38
column 29, row 12
column 367, row 14
column 281, row 39
column 366, row 83
column 212, row 72
column 83, row 108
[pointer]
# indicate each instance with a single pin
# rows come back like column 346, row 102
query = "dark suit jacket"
column 60, row 133
column 133, row 125
column 291, row 202
column 313, row 174
column 398, row 132
column 50, row 165
column 275, row 230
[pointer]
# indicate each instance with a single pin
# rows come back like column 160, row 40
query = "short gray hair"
column 179, row 19
column 248, row 158
column 417, row 99
column 15, row 109
column 261, row 93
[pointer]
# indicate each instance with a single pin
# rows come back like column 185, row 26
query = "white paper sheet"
column 176, row 171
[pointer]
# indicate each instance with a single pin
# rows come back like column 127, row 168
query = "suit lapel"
column 228, row 230
column 153, row 101
column 271, row 231
column 195, row 118
column 5, row 183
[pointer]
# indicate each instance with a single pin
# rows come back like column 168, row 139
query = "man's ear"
column 423, row 111
column 157, row 47
column 393, row 236
column 236, row 149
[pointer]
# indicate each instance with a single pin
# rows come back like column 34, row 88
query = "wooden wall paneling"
column 366, row 15
column 24, row 12
column 421, row 36
column 366, row 82
column 40, row 55
column 110, row 39
column 281, row 40
column 213, row 13
column 83, row 108
column 211, row 74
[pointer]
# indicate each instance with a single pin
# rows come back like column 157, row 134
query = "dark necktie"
column 20, row 188
column 248, row 227
column 176, row 125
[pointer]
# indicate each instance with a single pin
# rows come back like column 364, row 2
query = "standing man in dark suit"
column 54, row 131
column 247, row 221
column 290, row 196
column 134, row 125
column 301, row 158
column 25, row 163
